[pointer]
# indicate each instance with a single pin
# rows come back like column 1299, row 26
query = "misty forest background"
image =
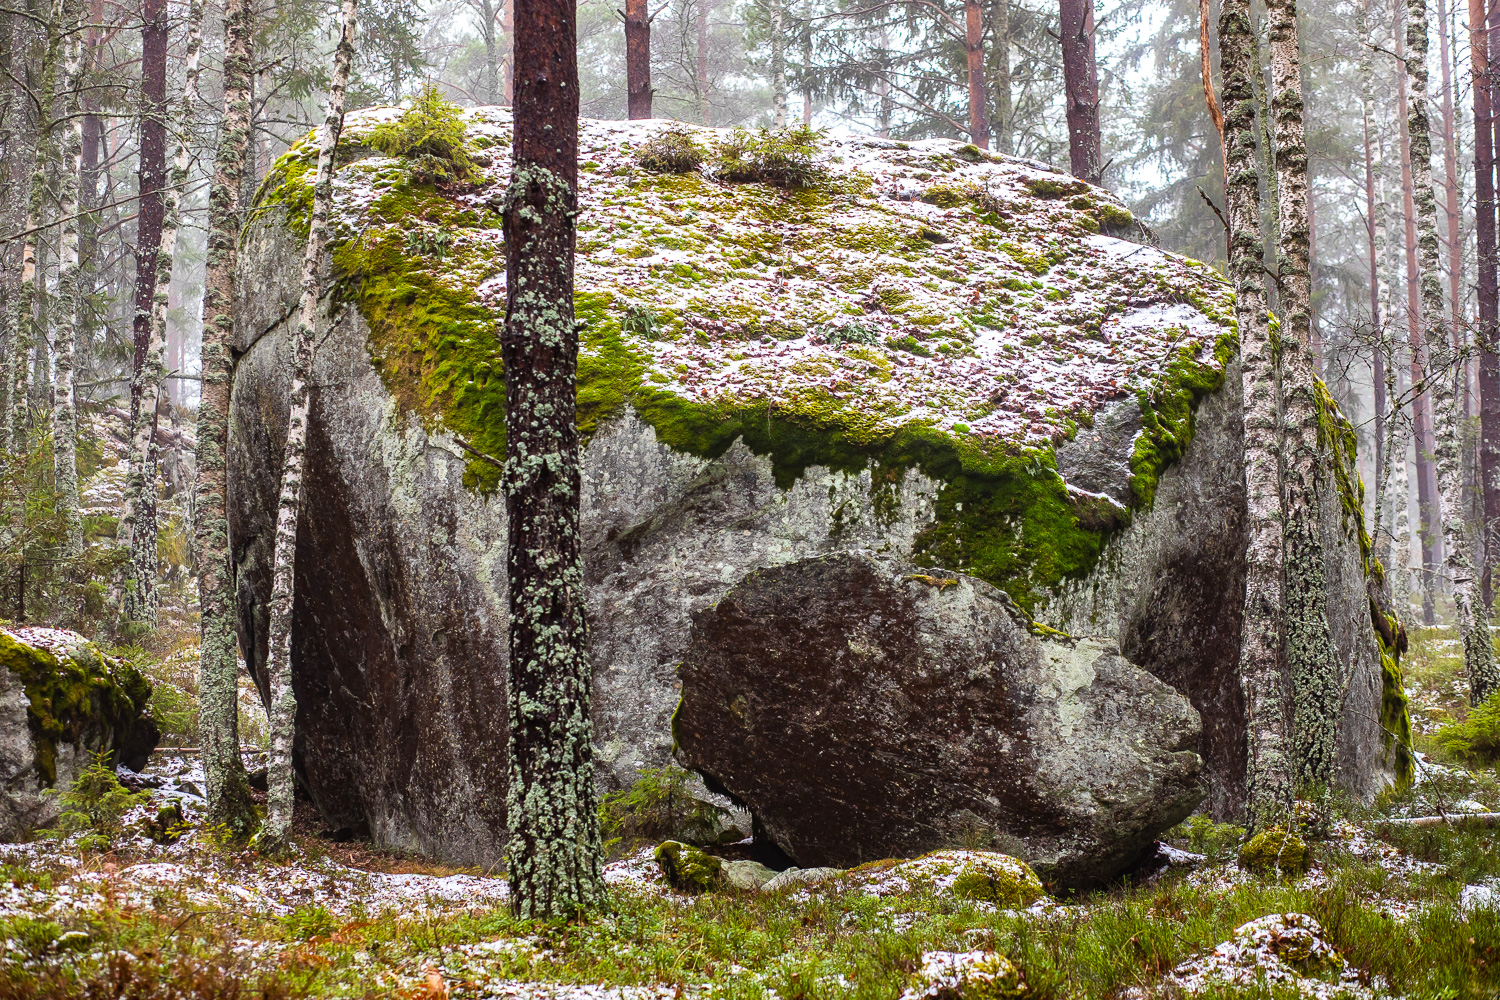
column 151, row 72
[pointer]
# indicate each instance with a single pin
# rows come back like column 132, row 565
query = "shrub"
column 1475, row 740
column 659, row 805
column 671, row 151
column 431, row 134
column 783, row 157
column 95, row 803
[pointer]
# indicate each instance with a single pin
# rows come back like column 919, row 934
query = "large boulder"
column 62, row 701
column 864, row 710
column 932, row 353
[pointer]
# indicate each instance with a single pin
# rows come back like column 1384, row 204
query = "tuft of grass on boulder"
column 780, row 157
column 671, row 151
column 431, row 134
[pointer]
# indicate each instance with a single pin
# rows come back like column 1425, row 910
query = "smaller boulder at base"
column 688, row 869
column 866, row 710
column 62, row 700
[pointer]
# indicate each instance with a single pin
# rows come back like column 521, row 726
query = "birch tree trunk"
column 138, row 518
column 278, row 827
column 778, row 63
column 1004, row 141
column 487, row 34
column 1472, row 615
column 638, row 58
column 1374, row 236
column 1311, row 662
column 554, row 848
column 66, row 319
column 229, row 802
column 1081, row 81
column 1488, row 292
column 1269, row 766
column 701, row 80
column 979, row 126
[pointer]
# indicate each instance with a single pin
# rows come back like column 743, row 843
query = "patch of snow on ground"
column 1281, row 949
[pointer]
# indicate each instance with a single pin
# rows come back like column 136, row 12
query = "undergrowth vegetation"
column 431, row 132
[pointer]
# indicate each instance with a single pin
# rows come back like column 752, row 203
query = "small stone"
column 801, row 876
column 688, row 869
column 747, row 875
column 1275, row 850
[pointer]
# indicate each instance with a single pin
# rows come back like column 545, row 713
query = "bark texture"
column 64, row 320
column 1488, row 291
column 1310, row 659
column 1269, row 767
column 554, row 851
column 638, row 58
column 778, row 63
column 1447, row 372
column 138, row 519
column 1081, row 81
column 979, row 126
column 229, row 802
column 283, row 719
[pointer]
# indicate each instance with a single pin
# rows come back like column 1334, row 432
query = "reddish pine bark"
column 1450, row 205
column 554, row 849
column 1488, row 287
column 637, row 58
column 153, row 177
column 1081, row 81
column 979, row 126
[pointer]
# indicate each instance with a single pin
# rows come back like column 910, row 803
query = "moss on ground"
column 80, row 699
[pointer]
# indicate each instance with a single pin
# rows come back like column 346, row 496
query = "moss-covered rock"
column 967, row 975
column 1000, row 879
column 688, row 869
column 1275, row 852
column 61, row 700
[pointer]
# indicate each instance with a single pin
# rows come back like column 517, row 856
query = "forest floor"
column 1385, row 910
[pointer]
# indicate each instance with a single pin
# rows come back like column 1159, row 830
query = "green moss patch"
column 82, row 699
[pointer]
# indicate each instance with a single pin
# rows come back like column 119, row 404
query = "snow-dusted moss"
column 921, row 307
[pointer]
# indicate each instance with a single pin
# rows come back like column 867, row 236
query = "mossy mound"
column 1275, row 851
column 1007, row 882
column 967, row 975
column 840, row 321
column 78, row 696
column 980, row 876
column 688, row 869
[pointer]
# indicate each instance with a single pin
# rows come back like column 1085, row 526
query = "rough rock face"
column 864, row 710
column 61, row 700
column 933, row 355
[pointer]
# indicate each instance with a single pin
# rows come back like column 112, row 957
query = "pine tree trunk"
column 1488, row 292
column 1473, row 616
column 638, row 58
column 701, row 80
column 1269, row 765
column 138, row 518
column 1081, row 81
column 979, row 126
column 487, row 32
column 229, row 802
column 552, row 813
column 278, row 827
column 1004, row 141
column 65, row 320
column 1451, row 192
column 778, row 64
column 1311, row 662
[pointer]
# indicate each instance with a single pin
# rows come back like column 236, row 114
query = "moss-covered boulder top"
column 865, row 288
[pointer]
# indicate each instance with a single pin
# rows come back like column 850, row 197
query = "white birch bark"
column 1445, row 374
column 778, row 63
column 65, row 320
column 1269, row 770
column 279, row 658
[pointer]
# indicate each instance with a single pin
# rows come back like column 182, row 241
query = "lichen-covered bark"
column 279, row 659
column 228, row 789
column 65, row 319
column 1446, row 370
column 554, row 848
column 153, row 275
column 1269, row 774
column 778, row 63
column 1311, row 661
